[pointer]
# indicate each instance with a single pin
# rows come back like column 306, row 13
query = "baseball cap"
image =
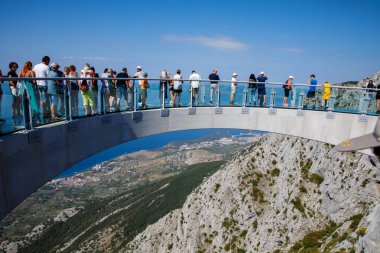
column 291, row 77
column 262, row 73
column 234, row 74
column 54, row 65
column 138, row 67
column 362, row 142
column 145, row 73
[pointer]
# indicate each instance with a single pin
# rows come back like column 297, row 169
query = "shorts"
column 214, row 86
column 310, row 94
column 261, row 91
column 233, row 89
column 15, row 91
column 178, row 90
column 121, row 91
column 286, row 93
column 112, row 92
column 88, row 98
column 143, row 94
column 43, row 93
column 53, row 98
column 195, row 90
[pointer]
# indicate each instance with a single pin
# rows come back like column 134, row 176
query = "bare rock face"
column 282, row 194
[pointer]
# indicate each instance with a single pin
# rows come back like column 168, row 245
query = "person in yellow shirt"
column 144, row 85
column 326, row 94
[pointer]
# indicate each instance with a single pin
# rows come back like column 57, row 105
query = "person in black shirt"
column 252, row 87
column 213, row 83
column 95, row 88
column 15, row 90
column 122, row 88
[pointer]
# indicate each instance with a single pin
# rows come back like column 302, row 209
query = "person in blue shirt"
column 311, row 93
column 261, row 92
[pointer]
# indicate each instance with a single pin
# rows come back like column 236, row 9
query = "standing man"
column 41, row 70
column 311, row 93
column 261, row 88
column 195, row 81
column 139, row 74
column 122, row 88
column 233, row 88
column 213, row 84
column 53, row 89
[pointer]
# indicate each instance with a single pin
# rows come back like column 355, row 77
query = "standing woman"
column 16, row 110
column 86, row 91
column 252, row 87
column 31, row 86
column 163, row 85
column 74, row 91
column 112, row 90
column 326, row 94
column 287, row 87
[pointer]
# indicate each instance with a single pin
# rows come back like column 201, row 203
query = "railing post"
column 245, row 92
column 102, row 100
column 134, row 97
column 191, row 96
column 163, row 94
column 27, row 109
column 294, row 96
column 67, row 99
column 272, row 97
column 217, row 95
column 301, row 100
column 332, row 101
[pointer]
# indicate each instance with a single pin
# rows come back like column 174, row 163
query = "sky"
column 335, row 40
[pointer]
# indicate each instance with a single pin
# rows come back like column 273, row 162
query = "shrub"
column 298, row 204
column 275, row 172
column 316, row 179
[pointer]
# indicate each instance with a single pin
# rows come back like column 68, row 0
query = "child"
column 144, row 85
column 326, row 94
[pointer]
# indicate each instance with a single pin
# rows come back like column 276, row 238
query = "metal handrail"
column 2, row 79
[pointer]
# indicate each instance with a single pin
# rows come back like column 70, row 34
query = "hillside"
column 304, row 197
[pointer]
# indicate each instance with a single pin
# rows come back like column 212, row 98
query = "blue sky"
column 336, row 40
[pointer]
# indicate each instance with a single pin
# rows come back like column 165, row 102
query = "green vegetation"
column 355, row 221
column 144, row 205
column 216, row 189
column 275, row 172
column 312, row 241
column 298, row 204
column 305, row 167
column 316, row 179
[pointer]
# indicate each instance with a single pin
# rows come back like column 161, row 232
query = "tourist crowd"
column 49, row 94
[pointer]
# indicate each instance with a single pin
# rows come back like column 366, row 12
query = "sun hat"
column 262, row 73
column 362, row 142
column 234, row 74
column 138, row 67
column 291, row 77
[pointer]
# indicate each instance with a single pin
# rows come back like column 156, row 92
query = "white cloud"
column 292, row 50
column 217, row 42
column 90, row 58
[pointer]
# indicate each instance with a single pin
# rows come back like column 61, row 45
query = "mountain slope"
column 282, row 194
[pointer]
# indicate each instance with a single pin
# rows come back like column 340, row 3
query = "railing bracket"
column 137, row 116
column 300, row 113
column 192, row 111
column 363, row 118
column 272, row 111
column 165, row 112
column 330, row 115
column 218, row 110
column 245, row 110
column 72, row 126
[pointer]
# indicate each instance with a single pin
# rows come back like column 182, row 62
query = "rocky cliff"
column 281, row 194
column 350, row 99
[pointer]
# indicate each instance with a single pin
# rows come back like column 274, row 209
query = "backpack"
column 286, row 86
column 84, row 85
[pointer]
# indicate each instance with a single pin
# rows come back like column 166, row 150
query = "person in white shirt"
column 139, row 74
column 195, row 82
column 177, row 88
column 41, row 70
column 233, row 88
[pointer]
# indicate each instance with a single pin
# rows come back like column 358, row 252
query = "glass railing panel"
column 347, row 100
column 11, row 113
column 154, row 95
